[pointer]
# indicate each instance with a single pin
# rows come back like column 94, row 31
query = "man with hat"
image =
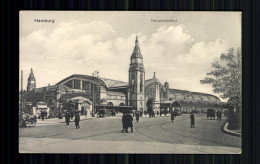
column 124, row 123
column 77, row 119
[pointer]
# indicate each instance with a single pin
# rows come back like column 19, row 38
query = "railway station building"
column 92, row 90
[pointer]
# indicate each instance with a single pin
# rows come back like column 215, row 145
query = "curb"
column 226, row 131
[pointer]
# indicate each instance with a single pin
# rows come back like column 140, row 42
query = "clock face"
column 133, row 60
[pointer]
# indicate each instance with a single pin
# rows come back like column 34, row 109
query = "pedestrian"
column 219, row 115
column 77, row 119
column 175, row 112
column 42, row 115
column 67, row 118
column 45, row 113
column 71, row 114
column 172, row 116
column 124, row 123
column 192, row 120
column 59, row 115
column 129, row 122
column 137, row 116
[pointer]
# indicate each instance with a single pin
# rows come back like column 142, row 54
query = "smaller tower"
column 166, row 85
column 31, row 85
column 157, row 90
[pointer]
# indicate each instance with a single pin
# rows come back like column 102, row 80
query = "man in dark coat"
column 175, row 112
column 172, row 116
column 192, row 120
column 77, row 119
column 219, row 115
column 72, row 114
column 45, row 113
column 67, row 118
column 42, row 115
column 137, row 116
column 124, row 123
column 129, row 122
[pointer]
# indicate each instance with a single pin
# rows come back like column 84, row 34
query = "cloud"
column 81, row 48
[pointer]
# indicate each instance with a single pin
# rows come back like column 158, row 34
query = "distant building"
column 94, row 90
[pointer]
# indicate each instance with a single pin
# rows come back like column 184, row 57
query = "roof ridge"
column 112, row 79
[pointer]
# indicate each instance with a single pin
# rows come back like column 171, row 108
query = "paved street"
column 151, row 135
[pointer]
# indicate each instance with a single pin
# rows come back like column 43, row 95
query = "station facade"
column 137, row 92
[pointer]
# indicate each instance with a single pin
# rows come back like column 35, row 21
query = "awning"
column 80, row 99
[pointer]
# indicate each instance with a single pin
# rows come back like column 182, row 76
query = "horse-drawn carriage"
column 27, row 120
column 211, row 113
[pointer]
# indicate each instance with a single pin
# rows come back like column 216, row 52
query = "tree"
column 226, row 77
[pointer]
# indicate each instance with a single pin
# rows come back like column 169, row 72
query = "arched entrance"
column 122, row 104
column 82, row 104
column 176, row 105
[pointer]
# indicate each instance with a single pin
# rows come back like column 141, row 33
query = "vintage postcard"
column 130, row 82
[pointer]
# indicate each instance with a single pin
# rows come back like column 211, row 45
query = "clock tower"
column 136, row 79
column 31, row 85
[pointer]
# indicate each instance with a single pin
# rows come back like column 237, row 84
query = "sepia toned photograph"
column 130, row 82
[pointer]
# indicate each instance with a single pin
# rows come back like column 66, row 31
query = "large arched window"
column 141, row 85
column 122, row 104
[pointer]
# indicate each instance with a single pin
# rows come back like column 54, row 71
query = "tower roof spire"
column 31, row 76
column 136, row 41
column 137, row 51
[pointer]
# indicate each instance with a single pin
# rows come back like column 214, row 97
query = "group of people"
column 127, row 121
column 69, row 115
column 113, row 113
column 192, row 118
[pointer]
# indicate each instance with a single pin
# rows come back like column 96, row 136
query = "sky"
column 180, row 51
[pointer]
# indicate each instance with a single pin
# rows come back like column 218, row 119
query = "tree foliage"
column 226, row 77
